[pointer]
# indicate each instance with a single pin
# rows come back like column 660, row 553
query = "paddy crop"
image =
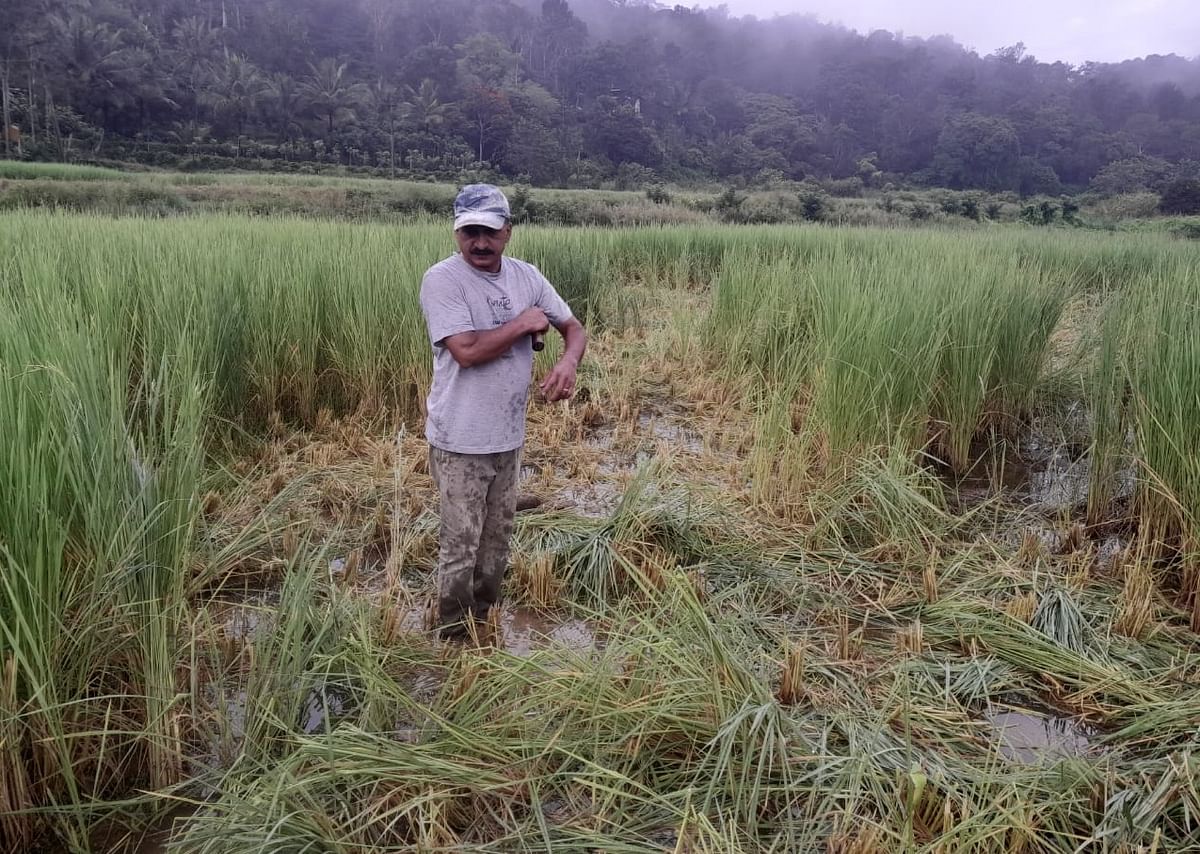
column 216, row 557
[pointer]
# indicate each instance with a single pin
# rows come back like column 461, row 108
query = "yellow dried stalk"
column 1022, row 607
column 791, row 683
column 929, row 577
column 911, row 640
column 1137, row 600
column 1032, row 549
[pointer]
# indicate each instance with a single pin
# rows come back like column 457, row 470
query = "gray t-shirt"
column 481, row 409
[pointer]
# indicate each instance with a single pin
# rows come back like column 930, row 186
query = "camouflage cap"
column 481, row 204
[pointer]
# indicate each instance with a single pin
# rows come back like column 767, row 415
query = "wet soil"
column 1042, row 489
column 117, row 839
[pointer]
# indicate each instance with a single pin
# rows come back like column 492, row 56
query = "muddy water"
column 526, row 631
column 1030, row 739
column 1050, row 479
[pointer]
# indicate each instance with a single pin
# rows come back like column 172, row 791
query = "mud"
column 115, row 839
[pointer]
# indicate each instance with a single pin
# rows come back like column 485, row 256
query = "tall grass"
column 102, row 472
column 18, row 169
column 893, row 343
column 129, row 349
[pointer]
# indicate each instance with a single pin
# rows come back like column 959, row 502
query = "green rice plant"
column 1109, row 408
column 890, row 338
column 136, row 356
column 875, row 357
column 26, row 170
column 1164, row 378
column 888, row 506
column 998, row 322
column 1023, row 646
column 95, row 560
column 667, row 730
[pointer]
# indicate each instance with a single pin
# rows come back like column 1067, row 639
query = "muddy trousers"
column 478, row 494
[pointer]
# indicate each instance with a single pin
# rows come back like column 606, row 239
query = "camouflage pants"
column 478, row 495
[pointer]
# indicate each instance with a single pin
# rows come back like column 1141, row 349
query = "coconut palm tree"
column 285, row 103
column 238, row 88
column 331, row 95
column 423, row 109
column 194, row 57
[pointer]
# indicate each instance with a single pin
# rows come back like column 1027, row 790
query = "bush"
column 1127, row 206
column 843, row 188
column 1187, row 230
column 969, row 206
column 814, row 206
column 658, row 194
column 519, row 204
column 920, row 212
column 948, row 202
column 728, row 205
column 1039, row 213
column 1181, row 197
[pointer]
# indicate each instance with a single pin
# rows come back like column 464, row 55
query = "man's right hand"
column 534, row 320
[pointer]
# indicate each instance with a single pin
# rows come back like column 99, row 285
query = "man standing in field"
column 484, row 313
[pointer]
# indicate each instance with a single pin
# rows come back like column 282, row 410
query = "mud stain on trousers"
column 478, row 494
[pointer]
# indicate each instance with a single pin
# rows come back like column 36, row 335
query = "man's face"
column 482, row 247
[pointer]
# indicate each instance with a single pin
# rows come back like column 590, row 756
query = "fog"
column 1073, row 31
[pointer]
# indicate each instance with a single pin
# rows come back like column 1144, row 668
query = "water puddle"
column 1052, row 480
column 526, row 630
column 322, row 711
column 1031, row 739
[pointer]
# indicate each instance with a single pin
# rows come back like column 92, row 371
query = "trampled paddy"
column 854, row 540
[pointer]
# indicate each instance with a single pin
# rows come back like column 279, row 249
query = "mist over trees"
column 582, row 93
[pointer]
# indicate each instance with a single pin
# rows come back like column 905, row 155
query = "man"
column 484, row 312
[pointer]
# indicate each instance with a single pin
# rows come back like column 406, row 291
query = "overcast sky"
column 1071, row 30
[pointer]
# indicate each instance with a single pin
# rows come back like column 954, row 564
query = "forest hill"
column 551, row 93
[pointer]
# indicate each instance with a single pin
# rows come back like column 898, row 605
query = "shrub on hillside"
column 1187, row 230
column 1126, row 206
column 814, row 206
column 658, row 194
column 1181, row 197
column 728, row 205
column 920, row 212
column 1039, row 213
column 843, row 188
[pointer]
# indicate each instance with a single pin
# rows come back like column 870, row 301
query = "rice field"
column 854, row 540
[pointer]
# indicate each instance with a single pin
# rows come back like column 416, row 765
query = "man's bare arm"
column 559, row 383
column 478, row 348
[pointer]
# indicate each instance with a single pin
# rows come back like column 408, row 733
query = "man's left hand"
column 559, row 384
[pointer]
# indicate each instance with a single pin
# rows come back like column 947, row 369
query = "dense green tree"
column 569, row 90
column 978, row 151
column 1182, row 196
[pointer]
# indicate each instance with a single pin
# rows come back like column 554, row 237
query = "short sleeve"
column 555, row 307
column 444, row 306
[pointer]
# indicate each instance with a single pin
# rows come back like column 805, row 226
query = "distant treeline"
column 616, row 93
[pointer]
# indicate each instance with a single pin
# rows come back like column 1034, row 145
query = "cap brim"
column 487, row 220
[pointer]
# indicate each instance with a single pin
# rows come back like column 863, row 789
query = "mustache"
column 482, row 252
